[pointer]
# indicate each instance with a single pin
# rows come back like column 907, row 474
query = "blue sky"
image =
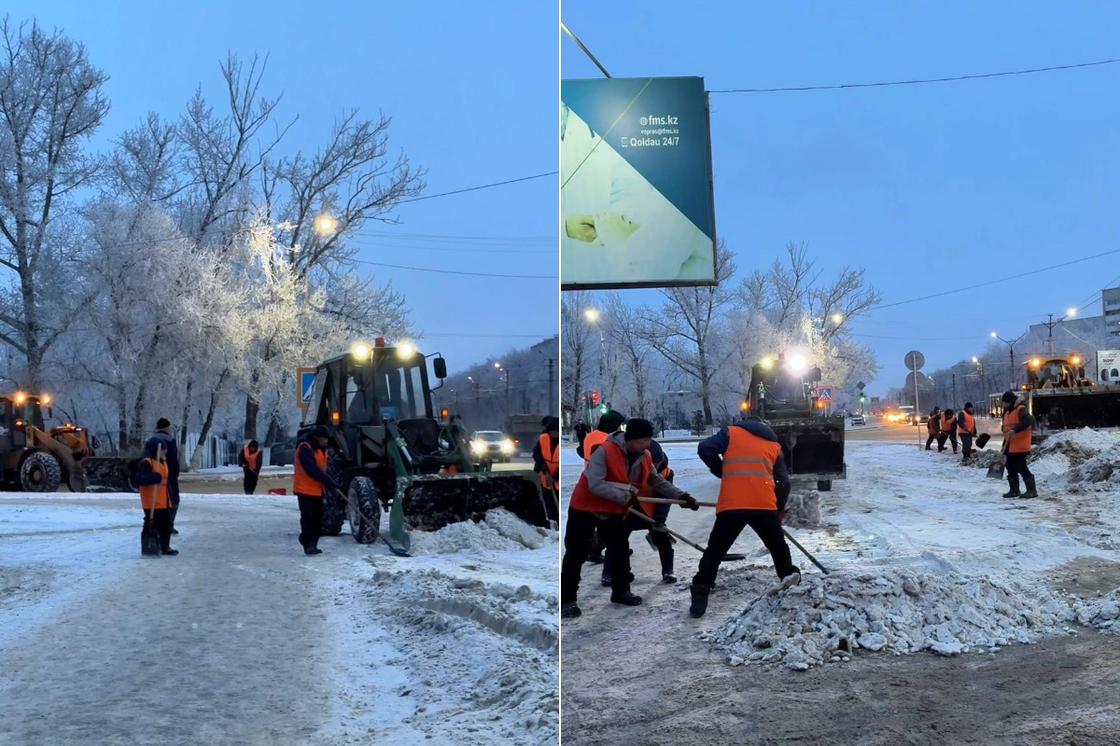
column 472, row 90
column 928, row 187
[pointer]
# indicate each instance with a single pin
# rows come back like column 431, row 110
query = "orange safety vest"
column 748, row 472
column 586, row 500
column 303, row 483
column 154, row 496
column 591, row 441
column 552, row 458
column 968, row 427
column 252, row 460
column 1019, row 442
column 946, row 423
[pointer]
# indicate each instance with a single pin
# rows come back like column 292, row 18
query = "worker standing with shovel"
column 754, row 487
column 152, row 476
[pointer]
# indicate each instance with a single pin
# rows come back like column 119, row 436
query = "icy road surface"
column 241, row 639
column 901, row 513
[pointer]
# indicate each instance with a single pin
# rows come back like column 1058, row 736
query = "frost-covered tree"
column 51, row 102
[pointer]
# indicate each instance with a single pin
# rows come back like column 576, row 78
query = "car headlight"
column 478, row 446
column 507, row 446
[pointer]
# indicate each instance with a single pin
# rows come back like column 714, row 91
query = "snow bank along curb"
column 1081, row 457
column 828, row 618
column 500, row 530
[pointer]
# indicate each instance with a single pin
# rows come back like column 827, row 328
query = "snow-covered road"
column 243, row 639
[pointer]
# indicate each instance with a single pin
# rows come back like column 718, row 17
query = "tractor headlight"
column 478, row 446
column 507, row 446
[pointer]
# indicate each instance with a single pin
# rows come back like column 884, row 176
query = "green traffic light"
column 603, row 408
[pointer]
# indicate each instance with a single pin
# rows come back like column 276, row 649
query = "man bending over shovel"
column 754, row 487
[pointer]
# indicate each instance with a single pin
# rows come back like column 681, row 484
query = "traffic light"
column 603, row 409
column 862, row 398
column 594, row 398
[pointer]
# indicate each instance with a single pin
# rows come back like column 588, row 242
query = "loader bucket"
column 431, row 502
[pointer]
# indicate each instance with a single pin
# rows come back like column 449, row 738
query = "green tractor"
column 390, row 452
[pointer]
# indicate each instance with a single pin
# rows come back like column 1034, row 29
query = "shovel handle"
column 804, row 551
column 668, row 530
column 673, row 501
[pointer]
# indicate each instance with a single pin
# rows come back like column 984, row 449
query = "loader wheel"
column 824, row 485
column 363, row 510
column 40, row 472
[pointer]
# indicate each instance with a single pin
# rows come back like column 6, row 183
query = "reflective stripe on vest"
column 594, row 439
column 969, row 425
column 748, row 472
column 303, row 483
column 551, row 456
column 1019, row 442
column 617, row 471
column 154, row 496
column 252, row 460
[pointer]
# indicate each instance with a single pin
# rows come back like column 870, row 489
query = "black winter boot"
column 626, row 598
column 569, row 610
column 699, row 600
column 1031, row 492
column 1013, row 482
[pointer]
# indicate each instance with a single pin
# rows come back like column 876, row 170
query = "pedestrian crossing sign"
column 824, row 393
column 305, row 378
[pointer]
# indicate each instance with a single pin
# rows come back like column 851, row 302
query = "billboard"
column 635, row 184
column 1108, row 366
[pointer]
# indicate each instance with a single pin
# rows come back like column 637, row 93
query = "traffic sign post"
column 914, row 361
column 305, row 382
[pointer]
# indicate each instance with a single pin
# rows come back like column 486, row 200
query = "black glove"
column 689, row 502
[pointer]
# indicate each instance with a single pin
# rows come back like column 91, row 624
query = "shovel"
column 730, row 557
column 995, row 471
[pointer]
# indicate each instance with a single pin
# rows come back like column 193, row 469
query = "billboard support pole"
column 580, row 44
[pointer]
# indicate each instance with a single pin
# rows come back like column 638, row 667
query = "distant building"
column 1110, row 303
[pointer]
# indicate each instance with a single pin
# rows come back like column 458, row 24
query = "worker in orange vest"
column 153, row 478
column 754, row 487
column 546, row 454
column 310, row 484
column 620, row 470
column 933, row 428
column 948, row 430
column 609, row 423
column 250, row 460
column 966, row 429
column 1018, row 427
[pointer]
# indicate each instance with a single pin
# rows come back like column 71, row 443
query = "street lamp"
column 837, row 318
column 325, row 224
column 1070, row 313
column 1011, row 351
column 593, row 317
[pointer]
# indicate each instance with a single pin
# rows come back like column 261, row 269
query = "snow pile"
column 1079, row 446
column 1104, row 613
column 497, row 642
column 826, row 618
column 804, row 510
column 499, row 531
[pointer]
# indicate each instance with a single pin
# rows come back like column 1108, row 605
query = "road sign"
column 914, row 360
column 824, row 393
column 919, row 380
column 305, row 379
column 861, row 385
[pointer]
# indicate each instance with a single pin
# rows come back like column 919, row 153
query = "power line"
column 463, row 250
column 477, row 188
column 444, row 237
column 453, row 271
column 920, row 81
column 993, row 282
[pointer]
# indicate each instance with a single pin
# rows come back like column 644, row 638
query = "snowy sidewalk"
column 241, row 639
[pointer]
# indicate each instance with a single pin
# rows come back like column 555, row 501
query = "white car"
column 857, row 419
column 493, row 445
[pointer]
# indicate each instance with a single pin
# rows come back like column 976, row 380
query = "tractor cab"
column 20, row 411
column 780, row 389
column 1056, row 373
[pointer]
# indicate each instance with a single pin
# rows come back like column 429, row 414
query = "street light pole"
column 1011, row 352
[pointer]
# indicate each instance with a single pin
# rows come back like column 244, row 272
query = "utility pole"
column 549, row 393
column 955, row 390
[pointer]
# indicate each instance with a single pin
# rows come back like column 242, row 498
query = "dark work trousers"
column 251, row 478
column 951, row 436
column 966, row 446
column 160, row 523
column 729, row 524
column 310, row 521
column 932, row 437
column 615, row 535
column 941, row 438
column 1016, row 465
column 173, row 497
column 662, row 543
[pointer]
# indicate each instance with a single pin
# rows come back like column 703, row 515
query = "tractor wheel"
column 824, row 485
column 40, row 472
column 363, row 510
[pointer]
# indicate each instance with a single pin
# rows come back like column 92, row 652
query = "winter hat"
column 968, row 406
column 637, row 428
column 319, row 431
column 1008, row 397
column 611, row 421
column 550, row 423
column 163, row 423
column 254, row 444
